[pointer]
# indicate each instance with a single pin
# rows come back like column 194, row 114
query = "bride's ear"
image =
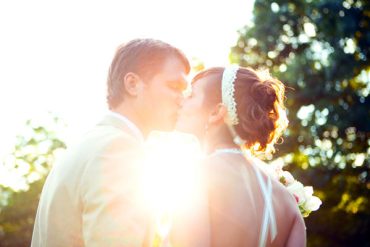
column 218, row 114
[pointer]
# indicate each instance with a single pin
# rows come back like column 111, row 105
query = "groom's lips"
column 177, row 117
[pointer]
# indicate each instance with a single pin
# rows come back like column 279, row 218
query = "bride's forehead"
column 203, row 80
column 199, row 84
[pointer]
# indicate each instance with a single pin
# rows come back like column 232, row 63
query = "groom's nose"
column 183, row 85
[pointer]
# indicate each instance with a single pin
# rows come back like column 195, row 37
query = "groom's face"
column 162, row 96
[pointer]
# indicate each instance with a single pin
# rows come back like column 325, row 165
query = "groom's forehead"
column 173, row 74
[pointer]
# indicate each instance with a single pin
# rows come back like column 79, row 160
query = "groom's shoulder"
column 99, row 139
column 102, row 136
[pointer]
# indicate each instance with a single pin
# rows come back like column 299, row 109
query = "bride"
column 238, row 113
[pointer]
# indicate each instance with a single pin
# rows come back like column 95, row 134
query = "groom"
column 90, row 197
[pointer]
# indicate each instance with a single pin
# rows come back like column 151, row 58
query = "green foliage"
column 320, row 49
column 20, row 187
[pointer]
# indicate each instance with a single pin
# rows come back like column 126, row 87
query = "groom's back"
column 62, row 209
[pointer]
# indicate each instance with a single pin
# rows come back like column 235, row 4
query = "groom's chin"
column 167, row 126
column 179, row 126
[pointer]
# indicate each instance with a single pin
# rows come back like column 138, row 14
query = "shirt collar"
column 129, row 124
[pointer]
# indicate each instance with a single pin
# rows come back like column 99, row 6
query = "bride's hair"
column 260, row 106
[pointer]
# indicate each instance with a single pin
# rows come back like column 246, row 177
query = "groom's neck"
column 130, row 113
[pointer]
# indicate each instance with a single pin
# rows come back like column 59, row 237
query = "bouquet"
column 306, row 201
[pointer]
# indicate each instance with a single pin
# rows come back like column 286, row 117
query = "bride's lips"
column 175, row 116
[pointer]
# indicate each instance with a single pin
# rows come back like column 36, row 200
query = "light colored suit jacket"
column 90, row 197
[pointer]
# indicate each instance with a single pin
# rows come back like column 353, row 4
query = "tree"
column 320, row 49
column 24, row 173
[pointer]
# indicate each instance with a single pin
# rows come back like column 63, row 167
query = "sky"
column 55, row 55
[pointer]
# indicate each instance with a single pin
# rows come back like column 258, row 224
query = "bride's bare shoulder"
column 214, row 160
column 222, row 163
column 222, row 170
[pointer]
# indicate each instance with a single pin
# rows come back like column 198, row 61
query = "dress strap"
column 268, row 219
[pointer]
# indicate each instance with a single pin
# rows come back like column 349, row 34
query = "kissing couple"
column 91, row 196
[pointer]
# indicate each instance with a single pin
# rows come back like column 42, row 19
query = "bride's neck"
column 218, row 139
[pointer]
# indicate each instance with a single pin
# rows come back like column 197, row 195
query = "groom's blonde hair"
column 144, row 57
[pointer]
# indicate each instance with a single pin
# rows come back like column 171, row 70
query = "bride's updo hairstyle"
column 259, row 103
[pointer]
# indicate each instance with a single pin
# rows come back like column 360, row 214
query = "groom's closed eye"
column 177, row 85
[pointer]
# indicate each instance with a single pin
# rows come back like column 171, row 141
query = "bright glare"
column 171, row 177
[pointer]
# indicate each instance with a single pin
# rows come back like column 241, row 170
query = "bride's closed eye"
column 189, row 95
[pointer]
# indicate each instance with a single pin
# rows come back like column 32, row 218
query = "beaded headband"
column 228, row 89
column 228, row 99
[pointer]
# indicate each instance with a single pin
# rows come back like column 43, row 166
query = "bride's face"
column 194, row 115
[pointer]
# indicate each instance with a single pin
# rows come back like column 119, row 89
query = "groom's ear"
column 218, row 114
column 131, row 83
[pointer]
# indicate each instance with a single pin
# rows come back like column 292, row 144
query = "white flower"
column 288, row 178
column 303, row 195
column 308, row 191
column 297, row 189
column 313, row 203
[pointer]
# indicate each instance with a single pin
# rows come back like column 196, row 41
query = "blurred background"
column 54, row 57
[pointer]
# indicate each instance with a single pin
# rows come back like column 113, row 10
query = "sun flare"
column 171, row 175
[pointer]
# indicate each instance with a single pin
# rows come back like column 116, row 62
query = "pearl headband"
column 228, row 99
column 228, row 89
